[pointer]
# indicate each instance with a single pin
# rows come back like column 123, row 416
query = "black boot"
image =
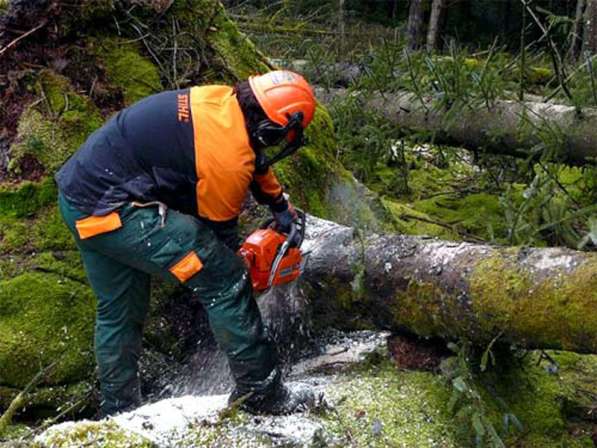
column 275, row 398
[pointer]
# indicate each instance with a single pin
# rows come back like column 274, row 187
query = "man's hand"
column 285, row 218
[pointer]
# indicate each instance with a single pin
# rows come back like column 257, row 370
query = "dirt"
column 413, row 353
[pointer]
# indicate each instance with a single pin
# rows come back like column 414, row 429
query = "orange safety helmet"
column 282, row 93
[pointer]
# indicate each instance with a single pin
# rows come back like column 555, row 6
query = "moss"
column 14, row 432
column 25, row 198
column 45, row 318
column 537, row 398
column 381, row 407
column 43, row 231
column 51, row 130
column 64, row 263
column 413, row 222
column 539, row 75
column 50, row 232
column 479, row 214
column 126, row 68
column 238, row 54
column 41, row 402
column 556, row 312
column 419, row 309
column 14, row 234
column 103, row 433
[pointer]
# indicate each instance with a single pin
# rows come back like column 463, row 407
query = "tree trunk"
column 576, row 32
column 438, row 10
column 506, row 127
column 530, row 297
column 590, row 28
column 393, row 8
column 416, row 24
column 341, row 29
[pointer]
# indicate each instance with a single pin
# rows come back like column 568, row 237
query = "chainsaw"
column 273, row 257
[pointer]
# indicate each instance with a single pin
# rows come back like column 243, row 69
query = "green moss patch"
column 539, row 396
column 380, row 407
column 52, row 129
column 553, row 313
column 45, row 318
column 126, row 67
column 104, row 433
column 23, row 199
column 409, row 221
column 41, row 232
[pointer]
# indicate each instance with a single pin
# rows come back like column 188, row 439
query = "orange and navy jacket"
column 186, row 148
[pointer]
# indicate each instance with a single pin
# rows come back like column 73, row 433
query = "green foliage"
column 467, row 402
column 557, row 206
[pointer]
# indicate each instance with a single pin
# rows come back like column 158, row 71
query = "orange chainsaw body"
column 259, row 252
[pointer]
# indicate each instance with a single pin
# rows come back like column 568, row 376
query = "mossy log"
column 506, row 127
column 531, row 297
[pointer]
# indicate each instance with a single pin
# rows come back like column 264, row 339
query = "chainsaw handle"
column 296, row 235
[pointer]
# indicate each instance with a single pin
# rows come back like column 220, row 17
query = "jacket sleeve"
column 267, row 190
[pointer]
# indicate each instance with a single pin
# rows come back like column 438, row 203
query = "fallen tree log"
column 531, row 297
column 503, row 127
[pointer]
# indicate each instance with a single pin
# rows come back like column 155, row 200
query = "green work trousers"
column 119, row 263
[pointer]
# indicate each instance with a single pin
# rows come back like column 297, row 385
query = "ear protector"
column 269, row 133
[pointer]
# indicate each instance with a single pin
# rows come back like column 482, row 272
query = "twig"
column 558, row 183
column 49, row 422
column 22, row 36
column 20, row 400
column 523, row 52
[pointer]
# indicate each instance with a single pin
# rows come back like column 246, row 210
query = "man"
column 158, row 190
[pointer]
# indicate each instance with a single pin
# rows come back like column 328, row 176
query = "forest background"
column 468, row 121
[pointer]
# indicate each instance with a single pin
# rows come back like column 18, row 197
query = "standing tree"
column 416, row 23
column 576, row 32
column 590, row 28
column 438, row 11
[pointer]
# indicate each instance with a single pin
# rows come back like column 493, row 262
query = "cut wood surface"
column 504, row 127
column 531, row 297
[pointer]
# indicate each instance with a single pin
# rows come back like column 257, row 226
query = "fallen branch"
column 21, row 399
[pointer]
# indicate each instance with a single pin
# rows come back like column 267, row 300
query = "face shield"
column 271, row 134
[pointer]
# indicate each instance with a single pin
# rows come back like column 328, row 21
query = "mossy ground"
column 539, row 395
column 95, row 434
column 46, row 310
column 45, row 318
column 381, row 407
column 446, row 193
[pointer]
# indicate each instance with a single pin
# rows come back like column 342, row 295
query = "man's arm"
column 267, row 191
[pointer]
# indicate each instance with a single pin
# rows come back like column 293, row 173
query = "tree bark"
column 534, row 298
column 505, row 127
column 438, row 10
column 416, row 24
column 590, row 28
column 576, row 32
